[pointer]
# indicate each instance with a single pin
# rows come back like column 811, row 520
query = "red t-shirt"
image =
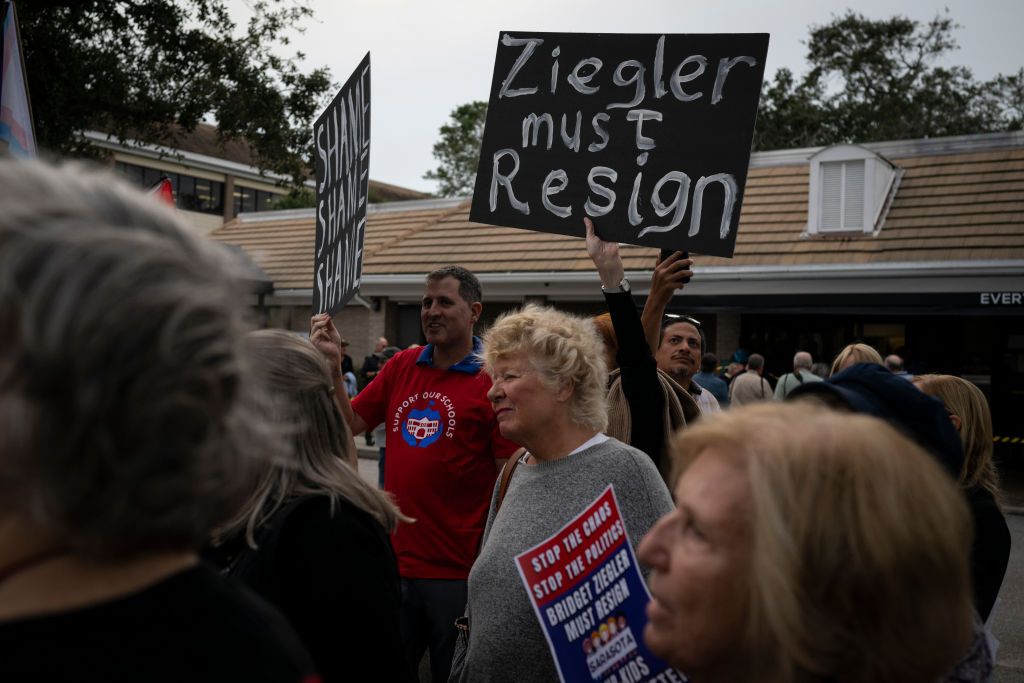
column 442, row 440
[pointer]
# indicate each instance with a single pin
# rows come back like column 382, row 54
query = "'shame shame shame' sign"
column 647, row 134
column 341, row 137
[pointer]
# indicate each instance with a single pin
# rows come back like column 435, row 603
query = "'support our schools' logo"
column 422, row 427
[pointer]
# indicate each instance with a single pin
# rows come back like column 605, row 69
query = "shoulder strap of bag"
column 506, row 476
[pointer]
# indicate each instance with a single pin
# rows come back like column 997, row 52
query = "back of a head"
column 820, row 369
column 894, row 363
column 860, row 550
column 605, row 328
column 127, row 419
column 966, row 401
column 709, row 363
column 756, row 361
column 855, row 353
column 802, row 361
column 301, row 394
column 296, row 376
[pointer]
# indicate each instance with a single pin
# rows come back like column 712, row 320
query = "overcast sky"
column 429, row 56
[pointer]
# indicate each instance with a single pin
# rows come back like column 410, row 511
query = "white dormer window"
column 851, row 188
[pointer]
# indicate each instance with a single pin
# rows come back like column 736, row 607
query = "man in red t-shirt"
column 442, row 443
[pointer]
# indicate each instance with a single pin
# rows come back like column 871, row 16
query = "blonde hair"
column 855, row 353
column 859, row 569
column 965, row 400
column 296, row 376
column 564, row 349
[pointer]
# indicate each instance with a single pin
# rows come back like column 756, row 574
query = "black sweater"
column 334, row 577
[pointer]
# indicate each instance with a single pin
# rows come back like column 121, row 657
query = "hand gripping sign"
column 586, row 588
column 648, row 134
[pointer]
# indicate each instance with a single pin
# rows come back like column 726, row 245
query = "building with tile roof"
column 916, row 247
column 214, row 180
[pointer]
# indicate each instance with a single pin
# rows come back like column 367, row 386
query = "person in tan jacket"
column 750, row 386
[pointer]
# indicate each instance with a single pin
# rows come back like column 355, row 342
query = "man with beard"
column 679, row 356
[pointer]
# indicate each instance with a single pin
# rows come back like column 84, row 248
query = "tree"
column 876, row 80
column 297, row 198
column 458, row 150
column 153, row 69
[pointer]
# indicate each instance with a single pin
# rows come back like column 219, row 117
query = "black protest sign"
column 342, row 139
column 647, row 134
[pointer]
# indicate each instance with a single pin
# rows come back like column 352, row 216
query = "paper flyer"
column 586, row 588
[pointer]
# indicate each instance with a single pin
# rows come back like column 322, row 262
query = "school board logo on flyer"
column 424, row 418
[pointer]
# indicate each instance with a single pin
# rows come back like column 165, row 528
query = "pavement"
column 1008, row 614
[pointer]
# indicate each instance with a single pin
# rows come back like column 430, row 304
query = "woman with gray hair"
column 128, row 427
column 548, row 393
column 313, row 536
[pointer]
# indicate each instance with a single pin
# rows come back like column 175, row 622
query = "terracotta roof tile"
column 963, row 206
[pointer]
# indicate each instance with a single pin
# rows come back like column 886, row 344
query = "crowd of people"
column 179, row 496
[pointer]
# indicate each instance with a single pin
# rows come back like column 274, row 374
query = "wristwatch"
column 621, row 287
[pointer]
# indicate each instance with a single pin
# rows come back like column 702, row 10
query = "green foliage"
column 458, row 150
column 152, row 68
column 297, row 198
column 876, row 80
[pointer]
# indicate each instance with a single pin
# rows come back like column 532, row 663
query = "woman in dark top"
column 129, row 426
column 969, row 412
column 313, row 537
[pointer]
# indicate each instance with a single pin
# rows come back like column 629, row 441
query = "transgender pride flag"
column 15, row 111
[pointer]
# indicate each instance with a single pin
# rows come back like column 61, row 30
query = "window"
column 190, row 193
column 245, row 199
column 850, row 190
column 248, row 199
column 265, row 200
column 842, row 195
column 209, row 196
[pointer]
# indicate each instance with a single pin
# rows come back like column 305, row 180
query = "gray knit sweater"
column 506, row 642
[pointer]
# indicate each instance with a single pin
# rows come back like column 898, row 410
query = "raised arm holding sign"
column 653, row 131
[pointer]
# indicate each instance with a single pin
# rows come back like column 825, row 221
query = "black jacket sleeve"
column 639, row 373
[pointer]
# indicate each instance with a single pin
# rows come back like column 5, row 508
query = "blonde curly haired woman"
column 548, row 393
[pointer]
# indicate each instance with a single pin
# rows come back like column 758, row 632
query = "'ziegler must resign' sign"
column 648, row 134
column 342, row 139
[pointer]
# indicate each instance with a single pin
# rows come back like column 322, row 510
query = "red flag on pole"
column 163, row 190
